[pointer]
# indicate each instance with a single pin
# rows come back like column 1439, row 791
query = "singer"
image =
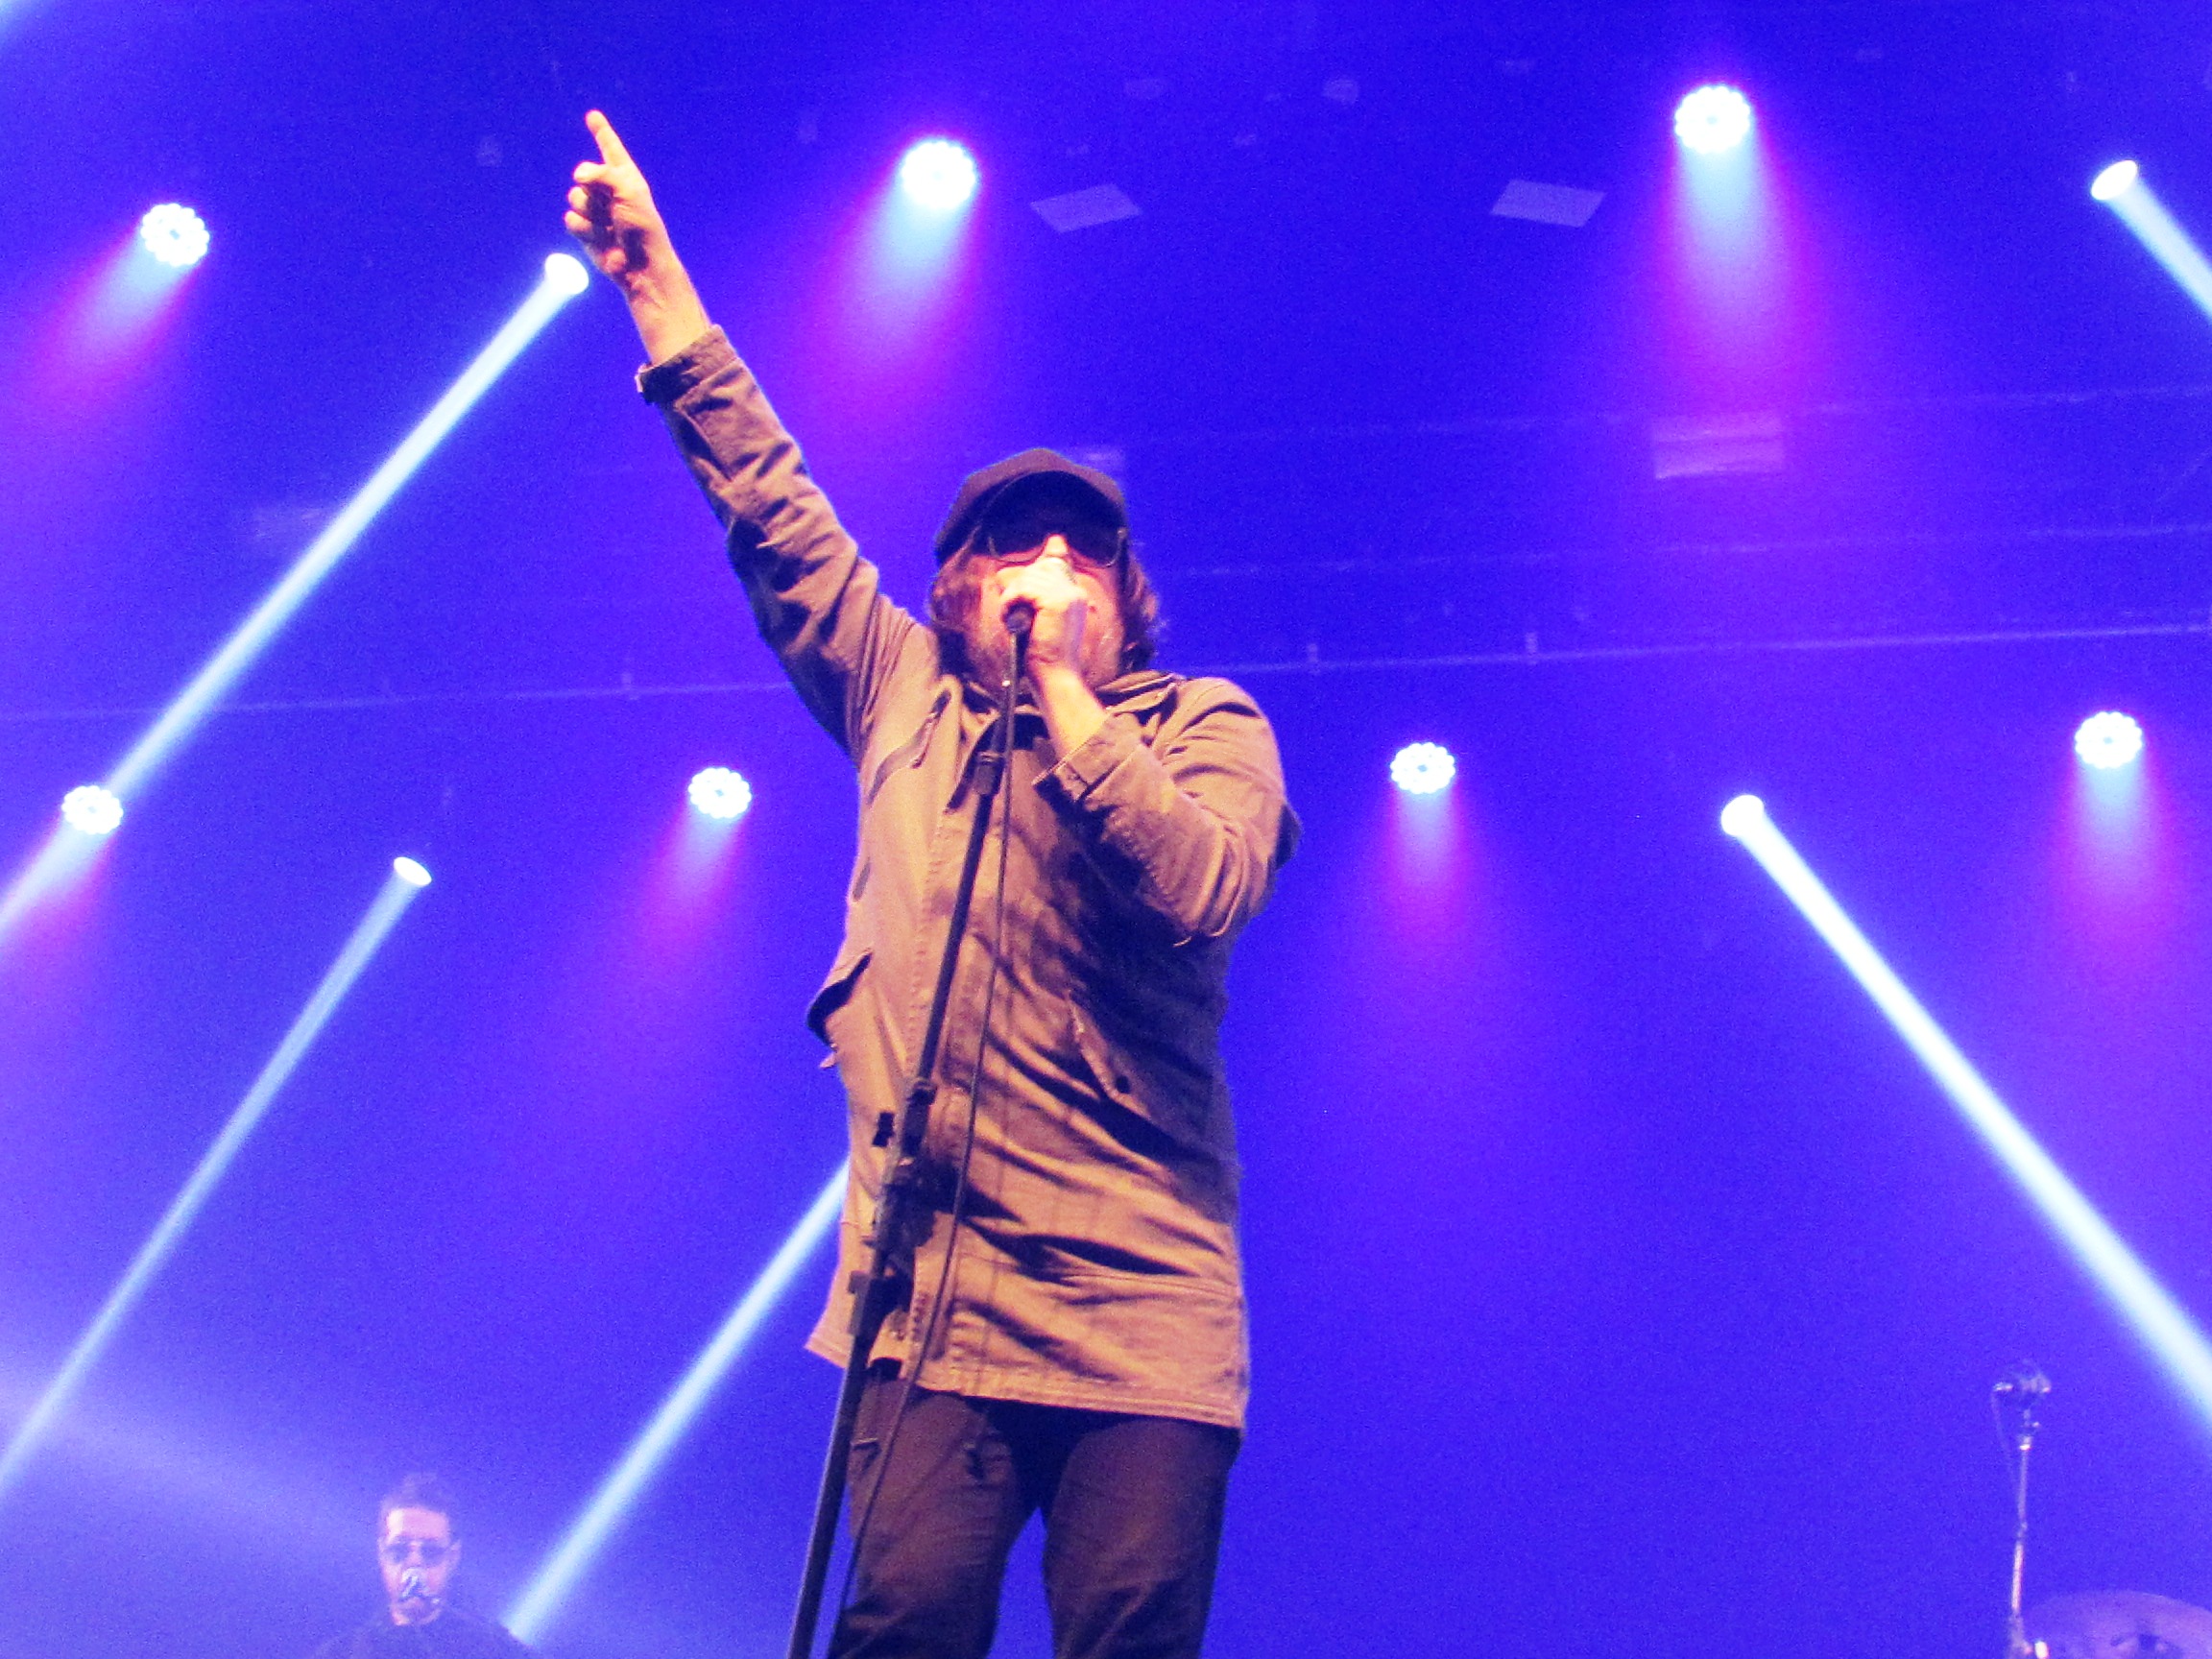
column 1072, row 1341
column 418, row 1549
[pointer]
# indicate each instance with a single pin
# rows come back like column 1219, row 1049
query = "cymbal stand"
column 2022, row 1388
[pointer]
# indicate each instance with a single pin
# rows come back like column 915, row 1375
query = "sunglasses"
column 1019, row 537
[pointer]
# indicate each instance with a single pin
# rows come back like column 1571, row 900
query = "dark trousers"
column 1132, row 1510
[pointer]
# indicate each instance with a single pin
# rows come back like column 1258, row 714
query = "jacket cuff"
column 1075, row 776
column 665, row 381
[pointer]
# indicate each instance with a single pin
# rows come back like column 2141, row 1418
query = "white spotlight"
column 550, row 1589
column 2115, row 181
column 2162, row 1325
column 2123, row 189
column 938, row 175
column 1741, row 816
column 410, row 872
column 1713, row 119
column 2107, row 741
column 92, row 811
column 1423, row 768
column 174, row 235
column 719, row 793
column 55, row 862
column 361, row 946
column 564, row 274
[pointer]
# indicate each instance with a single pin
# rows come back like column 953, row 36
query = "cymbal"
column 2120, row 1625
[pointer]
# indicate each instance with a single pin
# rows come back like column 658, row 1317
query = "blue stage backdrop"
column 1620, row 1283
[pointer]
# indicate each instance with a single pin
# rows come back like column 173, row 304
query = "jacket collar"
column 1137, row 693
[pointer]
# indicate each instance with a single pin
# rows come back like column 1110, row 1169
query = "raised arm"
column 819, row 605
column 611, row 212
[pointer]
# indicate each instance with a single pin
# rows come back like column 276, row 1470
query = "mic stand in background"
column 2020, row 1388
column 901, row 1216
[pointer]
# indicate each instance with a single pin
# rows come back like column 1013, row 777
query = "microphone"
column 1020, row 616
column 411, row 1587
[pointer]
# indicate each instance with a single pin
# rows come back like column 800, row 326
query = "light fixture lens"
column 1423, row 768
column 716, row 792
column 1713, row 119
column 2115, row 181
column 564, row 274
column 2108, row 741
column 174, row 235
column 410, row 872
column 92, row 809
column 1742, row 815
column 938, row 175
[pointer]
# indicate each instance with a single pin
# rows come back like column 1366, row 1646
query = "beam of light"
column 360, row 948
column 174, row 236
column 938, row 176
column 137, row 285
column 2108, row 741
column 1429, row 861
column 1711, row 120
column 1423, row 768
column 916, row 229
column 2117, row 840
column 2123, row 188
column 716, row 792
column 2159, row 1322
column 62, row 857
column 1728, row 277
column 542, row 1598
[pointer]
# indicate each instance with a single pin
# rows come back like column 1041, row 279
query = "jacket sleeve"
column 819, row 605
column 1193, row 824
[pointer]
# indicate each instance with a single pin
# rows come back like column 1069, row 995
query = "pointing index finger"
column 611, row 150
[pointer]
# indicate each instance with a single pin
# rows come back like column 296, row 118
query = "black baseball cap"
column 981, row 488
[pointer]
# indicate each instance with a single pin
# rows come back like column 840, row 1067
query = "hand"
column 611, row 212
column 1063, row 613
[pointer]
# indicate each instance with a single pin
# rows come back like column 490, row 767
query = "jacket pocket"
column 1185, row 1120
column 837, row 989
column 909, row 753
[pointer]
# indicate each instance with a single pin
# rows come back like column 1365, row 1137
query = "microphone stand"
column 901, row 1217
column 2024, row 1390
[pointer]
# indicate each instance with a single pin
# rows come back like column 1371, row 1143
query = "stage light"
column 618, row 1493
column 2158, row 1322
column 1423, row 768
column 1713, row 119
column 58, row 861
column 92, row 811
column 1738, row 817
column 174, row 235
column 716, row 792
column 2123, row 189
column 2107, row 741
column 410, row 872
column 564, row 274
column 2115, row 181
column 389, row 905
column 938, row 175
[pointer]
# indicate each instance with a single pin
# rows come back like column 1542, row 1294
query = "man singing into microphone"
column 1072, row 1335
column 418, row 1548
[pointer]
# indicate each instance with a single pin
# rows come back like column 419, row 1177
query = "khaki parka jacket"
column 1095, row 1260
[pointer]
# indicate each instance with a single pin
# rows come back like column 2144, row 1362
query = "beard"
column 989, row 650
